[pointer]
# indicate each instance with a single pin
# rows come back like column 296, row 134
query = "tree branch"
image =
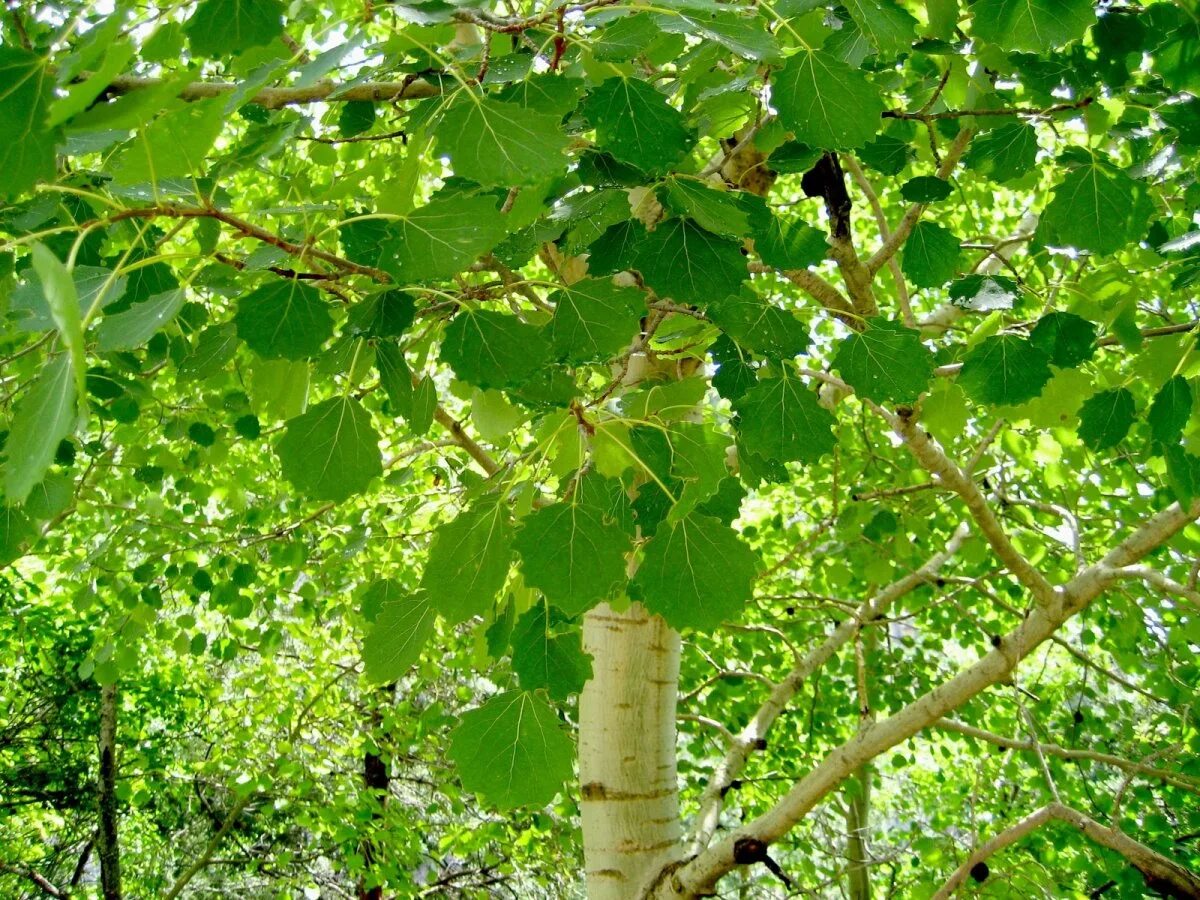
column 700, row 874
column 893, row 242
column 1161, row 874
column 753, row 736
column 274, row 98
column 1117, row 762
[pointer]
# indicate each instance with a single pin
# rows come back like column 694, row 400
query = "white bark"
column 630, row 799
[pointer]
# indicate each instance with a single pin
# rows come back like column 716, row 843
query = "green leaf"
column 886, row 154
column 888, row 27
column 220, row 27
column 468, row 562
column 1183, row 473
column 825, row 102
column 395, row 377
column 512, row 751
column 684, row 262
column 745, row 34
column 441, row 238
column 595, row 319
column 572, row 555
column 1003, row 153
column 16, row 534
column 27, row 151
column 696, row 573
column 63, row 302
column 931, row 255
column 1171, row 409
column 886, row 362
column 1096, row 208
column 925, row 189
column 760, row 326
column 172, row 146
column 401, row 628
column 215, row 347
column 789, row 243
column 285, row 319
column 1105, row 418
column 332, row 451
column 1004, row 370
column 388, row 314
column 1034, row 25
column 782, row 420
column 134, row 326
column 711, row 209
column 1069, row 340
column 636, row 124
column 491, row 349
column 43, row 417
column 356, row 117
column 554, row 663
column 499, row 144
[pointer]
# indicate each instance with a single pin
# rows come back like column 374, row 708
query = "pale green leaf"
column 332, row 451
column 1034, row 25
column 27, row 151
column 394, row 641
column 220, row 27
column 888, row 27
column 132, row 327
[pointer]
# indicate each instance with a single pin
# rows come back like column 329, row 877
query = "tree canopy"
column 361, row 359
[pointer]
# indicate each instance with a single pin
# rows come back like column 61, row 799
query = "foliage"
column 354, row 352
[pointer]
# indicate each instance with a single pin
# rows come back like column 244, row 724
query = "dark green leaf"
column 889, row 28
column 285, row 319
column 27, row 151
column 760, row 326
column 441, row 238
column 825, row 102
column 134, row 326
column 984, row 293
column 931, row 255
column 468, row 562
column 1171, row 409
column 1003, row 153
column 782, row 420
column 1069, row 340
column 1004, row 370
column 1105, row 418
column 500, row 144
column 1096, row 208
column 491, row 349
column 711, row 209
column 219, row 27
column 683, row 262
column 925, row 189
column 636, row 124
column 594, row 319
column 554, row 663
column 886, row 363
column 1034, row 25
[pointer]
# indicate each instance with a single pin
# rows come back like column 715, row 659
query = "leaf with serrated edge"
column 331, row 451
column 886, row 362
column 782, row 420
column 43, row 417
column 512, row 751
column 825, row 102
column 500, row 144
column 394, row 642
column 468, row 562
column 696, row 573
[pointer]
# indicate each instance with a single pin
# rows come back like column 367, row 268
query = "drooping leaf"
column 401, row 628
column 572, row 555
column 1034, row 25
column 26, row 91
column 500, row 144
column 332, row 451
column 512, row 751
column 594, row 319
column 134, row 326
column 886, row 362
column 384, row 315
column 781, row 419
column 285, row 319
column 1171, row 409
column 1105, row 418
column 1069, row 340
column 219, row 27
column 1003, row 370
column 43, row 417
column 696, row 573
column 1095, row 208
column 491, row 349
column 825, row 102
column 468, row 562
column 931, row 255
column 1003, row 153
column 63, row 302
column 395, row 377
column 636, row 124
column 547, row 661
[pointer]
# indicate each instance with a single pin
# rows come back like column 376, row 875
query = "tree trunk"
column 106, row 838
column 376, row 779
column 630, row 796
